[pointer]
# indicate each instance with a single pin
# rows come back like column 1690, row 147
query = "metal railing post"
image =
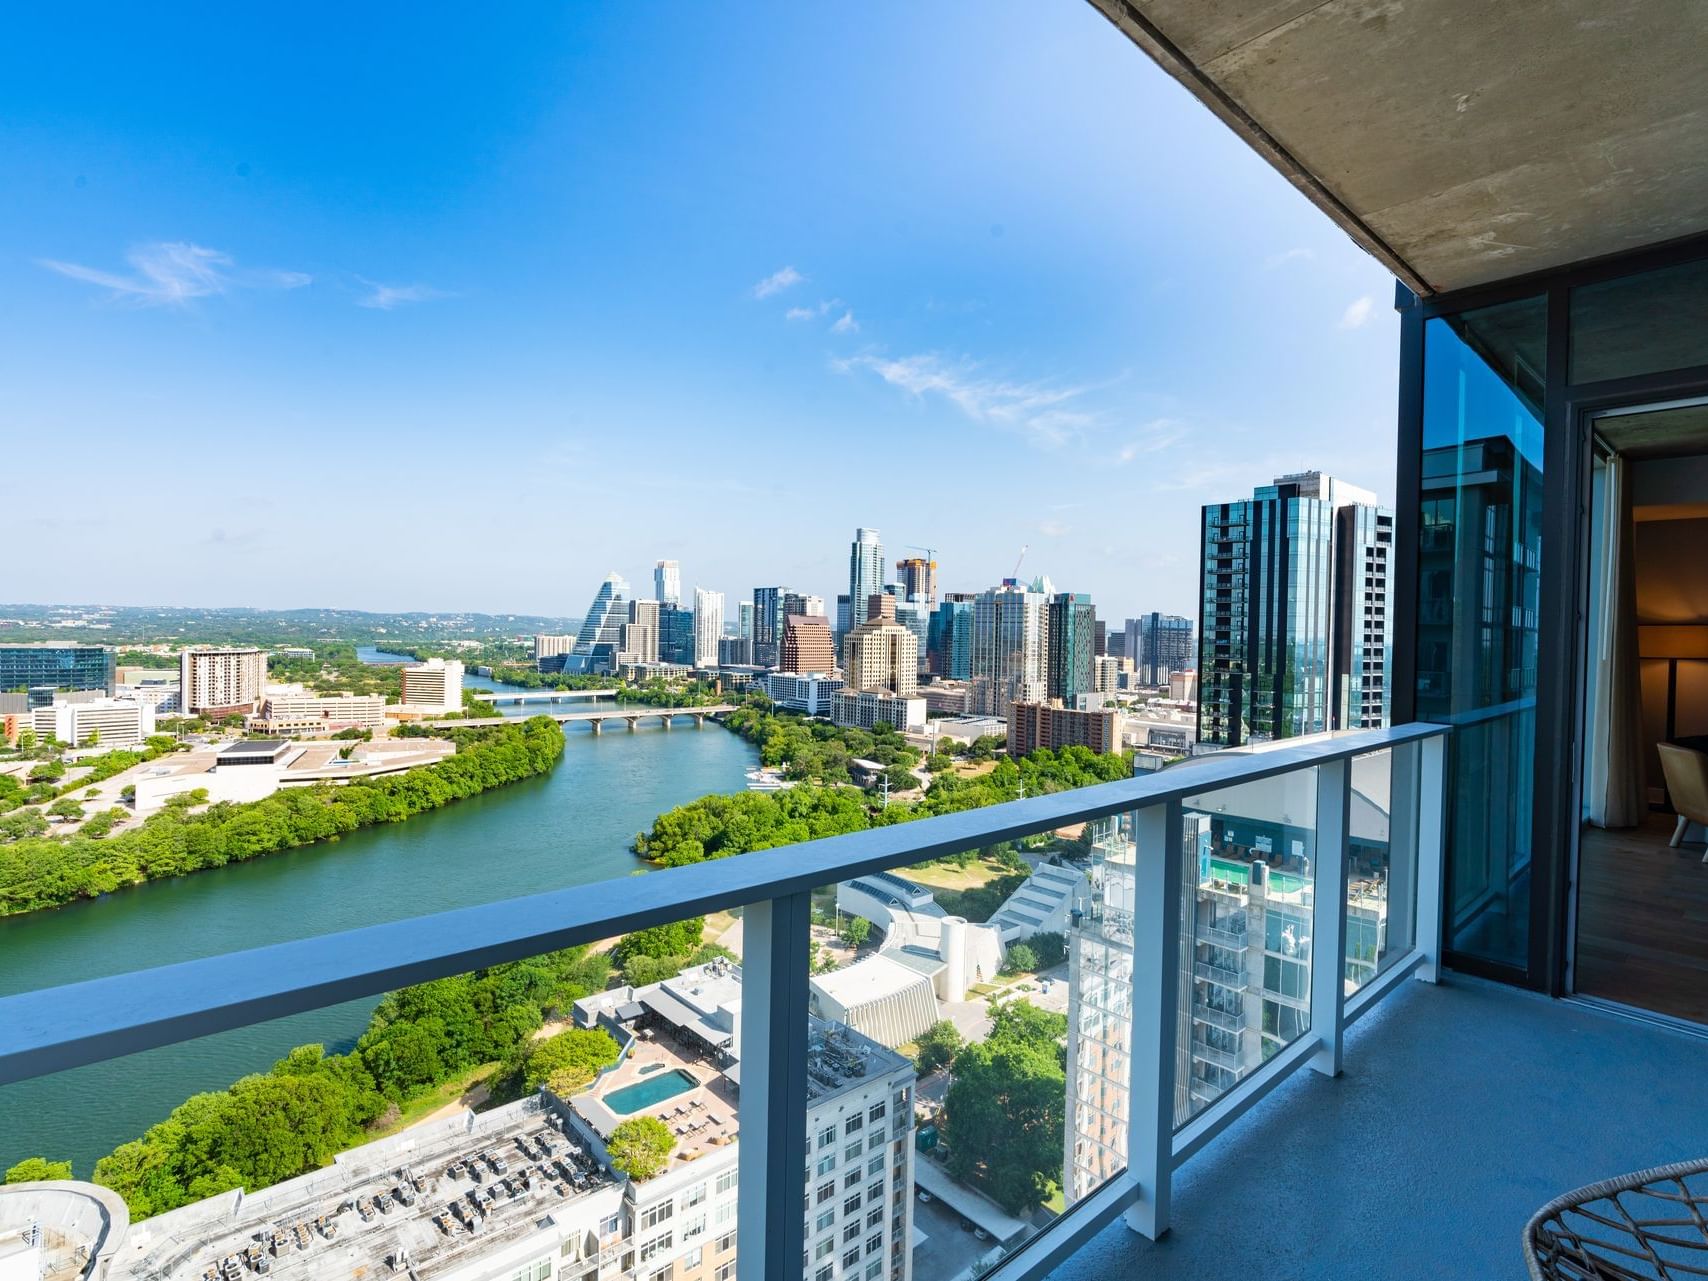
column 1328, row 929
column 1431, row 852
column 1156, row 997
column 771, row 1215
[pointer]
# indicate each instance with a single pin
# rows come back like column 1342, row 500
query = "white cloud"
column 777, row 282
column 1153, row 437
column 1286, row 256
column 1052, row 528
column 846, row 325
column 823, row 308
column 174, row 273
column 385, row 297
column 1358, row 312
column 1042, row 412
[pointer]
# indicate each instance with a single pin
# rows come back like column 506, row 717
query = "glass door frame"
column 1568, row 414
column 1589, row 410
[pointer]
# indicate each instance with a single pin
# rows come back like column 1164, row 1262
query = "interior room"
column 1642, row 883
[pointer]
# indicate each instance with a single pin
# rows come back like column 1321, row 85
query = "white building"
column 809, row 694
column 708, row 626
column 112, row 722
column 667, row 583
column 547, row 646
column 220, row 680
column 864, row 709
column 434, row 686
column 292, row 709
column 859, row 1204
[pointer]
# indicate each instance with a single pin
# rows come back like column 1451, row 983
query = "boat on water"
column 765, row 778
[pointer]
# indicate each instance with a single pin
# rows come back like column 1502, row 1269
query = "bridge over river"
column 633, row 714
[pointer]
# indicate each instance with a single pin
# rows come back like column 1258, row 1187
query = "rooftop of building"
column 681, row 1064
column 387, row 1199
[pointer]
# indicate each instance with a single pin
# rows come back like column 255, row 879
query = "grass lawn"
column 946, row 876
column 439, row 1096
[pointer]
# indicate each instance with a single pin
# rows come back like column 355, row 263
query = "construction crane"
column 1024, row 548
column 930, row 552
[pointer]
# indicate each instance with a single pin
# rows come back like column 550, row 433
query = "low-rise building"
column 109, row 722
column 867, row 708
column 809, row 694
column 293, row 710
column 1035, row 725
column 947, row 698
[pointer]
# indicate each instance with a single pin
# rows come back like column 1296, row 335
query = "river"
column 570, row 827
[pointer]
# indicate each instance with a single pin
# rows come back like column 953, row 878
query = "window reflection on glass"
column 1480, row 553
column 1641, row 324
column 1249, row 919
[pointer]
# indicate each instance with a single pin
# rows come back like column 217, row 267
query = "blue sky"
column 460, row 307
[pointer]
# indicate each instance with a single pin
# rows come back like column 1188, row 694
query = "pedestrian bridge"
column 633, row 714
column 542, row 695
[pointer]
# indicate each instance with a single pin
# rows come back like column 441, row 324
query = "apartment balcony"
column 1462, row 1109
column 1228, row 1059
column 1233, row 980
column 1507, row 1074
column 1217, row 1018
column 1233, row 941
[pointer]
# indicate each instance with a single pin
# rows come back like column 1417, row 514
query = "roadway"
column 596, row 720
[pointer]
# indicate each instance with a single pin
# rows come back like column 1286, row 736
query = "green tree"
column 568, row 1062
column 856, row 930
column 937, row 1046
column 1021, row 959
column 1006, row 1115
column 35, row 1169
column 1050, row 947
column 675, row 939
column 641, row 1146
column 66, row 808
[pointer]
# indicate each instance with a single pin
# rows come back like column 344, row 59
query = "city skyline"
column 271, row 288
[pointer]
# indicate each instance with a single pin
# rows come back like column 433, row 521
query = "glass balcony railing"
column 783, row 1095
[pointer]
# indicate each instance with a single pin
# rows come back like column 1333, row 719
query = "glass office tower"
column 59, row 667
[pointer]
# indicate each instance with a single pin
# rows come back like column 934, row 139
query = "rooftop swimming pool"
column 643, row 1094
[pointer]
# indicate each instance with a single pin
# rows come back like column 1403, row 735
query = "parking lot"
column 948, row 1247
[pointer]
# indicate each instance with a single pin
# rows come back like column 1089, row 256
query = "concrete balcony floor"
column 1462, row 1109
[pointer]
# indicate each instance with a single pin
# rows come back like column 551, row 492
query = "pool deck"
column 690, row 1114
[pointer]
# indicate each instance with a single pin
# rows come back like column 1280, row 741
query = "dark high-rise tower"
column 1267, row 610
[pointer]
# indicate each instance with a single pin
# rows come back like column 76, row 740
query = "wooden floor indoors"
column 1643, row 920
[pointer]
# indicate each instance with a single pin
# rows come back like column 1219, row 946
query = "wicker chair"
column 1648, row 1226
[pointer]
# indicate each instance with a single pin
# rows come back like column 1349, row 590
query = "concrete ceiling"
column 1460, row 141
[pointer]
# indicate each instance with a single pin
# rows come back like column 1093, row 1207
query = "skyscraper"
column 1363, row 551
column 1164, row 646
column 708, row 626
column 918, row 578
column 1071, row 645
column 807, row 646
column 768, row 615
column 744, row 626
column 1267, row 577
column 640, row 633
column 676, row 635
column 865, row 572
column 603, row 624
column 882, row 654
column 667, row 583
column 1009, row 643
column 949, row 636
